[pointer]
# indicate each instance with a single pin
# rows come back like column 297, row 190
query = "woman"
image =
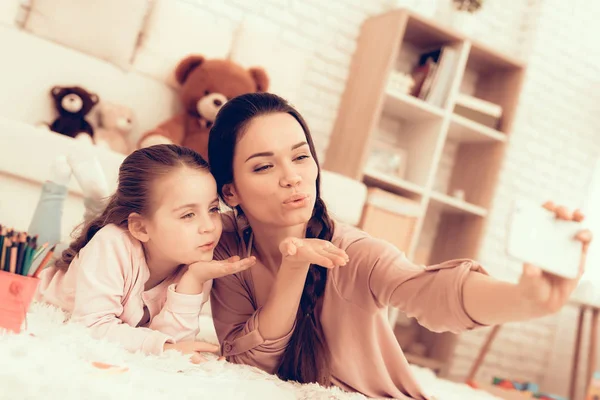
column 313, row 307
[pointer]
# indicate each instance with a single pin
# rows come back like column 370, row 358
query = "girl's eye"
column 215, row 210
column 188, row 216
column 302, row 157
column 262, row 168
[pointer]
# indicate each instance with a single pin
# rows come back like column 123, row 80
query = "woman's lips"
column 295, row 198
column 296, row 201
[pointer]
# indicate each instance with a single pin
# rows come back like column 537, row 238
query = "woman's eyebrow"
column 294, row 147
column 271, row 154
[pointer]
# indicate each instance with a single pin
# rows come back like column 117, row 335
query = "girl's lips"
column 208, row 246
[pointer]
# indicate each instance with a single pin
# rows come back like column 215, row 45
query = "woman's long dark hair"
column 307, row 357
column 137, row 174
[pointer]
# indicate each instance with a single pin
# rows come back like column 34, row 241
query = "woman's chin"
column 297, row 218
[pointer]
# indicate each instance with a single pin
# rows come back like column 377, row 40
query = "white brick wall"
column 560, row 97
column 327, row 30
column 551, row 155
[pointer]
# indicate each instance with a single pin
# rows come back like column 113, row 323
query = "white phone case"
column 537, row 237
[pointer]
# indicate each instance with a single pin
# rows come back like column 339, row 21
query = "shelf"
column 410, row 108
column 391, row 183
column 433, row 364
column 466, row 131
column 482, row 57
column 456, row 206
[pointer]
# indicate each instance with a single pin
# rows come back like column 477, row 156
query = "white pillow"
column 9, row 10
column 176, row 29
column 344, row 197
column 106, row 29
column 258, row 43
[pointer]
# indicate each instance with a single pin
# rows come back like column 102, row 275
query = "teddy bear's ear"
column 261, row 78
column 94, row 97
column 186, row 66
column 56, row 90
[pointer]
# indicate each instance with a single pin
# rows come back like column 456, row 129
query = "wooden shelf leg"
column 591, row 367
column 579, row 333
column 482, row 353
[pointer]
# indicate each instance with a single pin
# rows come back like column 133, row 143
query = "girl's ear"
column 137, row 227
column 230, row 195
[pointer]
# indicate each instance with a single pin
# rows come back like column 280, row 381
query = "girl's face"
column 274, row 172
column 185, row 226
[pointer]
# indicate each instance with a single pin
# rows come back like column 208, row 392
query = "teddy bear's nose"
column 217, row 102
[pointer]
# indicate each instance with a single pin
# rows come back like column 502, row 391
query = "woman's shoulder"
column 230, row 243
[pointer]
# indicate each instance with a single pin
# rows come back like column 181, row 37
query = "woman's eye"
column 188, row 216
column 262, row 168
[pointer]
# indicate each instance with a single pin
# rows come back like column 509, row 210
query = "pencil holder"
column 16, row 294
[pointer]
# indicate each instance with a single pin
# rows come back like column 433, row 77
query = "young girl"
column 140, row 271
column 314, row 307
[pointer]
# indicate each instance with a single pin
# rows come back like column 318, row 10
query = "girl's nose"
column 206, row 225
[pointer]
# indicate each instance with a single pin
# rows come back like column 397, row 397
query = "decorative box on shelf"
column 390, row 217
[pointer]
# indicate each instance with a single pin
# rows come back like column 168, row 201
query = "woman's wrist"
column 189, row 284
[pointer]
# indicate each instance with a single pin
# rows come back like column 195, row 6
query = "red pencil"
column 47, row 258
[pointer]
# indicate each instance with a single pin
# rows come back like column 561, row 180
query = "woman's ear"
column 230, row 195
column 137, row 227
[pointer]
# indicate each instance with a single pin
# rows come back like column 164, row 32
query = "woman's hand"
column 193, row 348
column 547, row 293
column 303, row 252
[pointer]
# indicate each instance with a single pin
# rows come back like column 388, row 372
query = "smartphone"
column 535, row 236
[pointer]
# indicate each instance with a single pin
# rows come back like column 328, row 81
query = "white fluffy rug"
column 52, row 359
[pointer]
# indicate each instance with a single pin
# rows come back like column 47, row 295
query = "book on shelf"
column 434, row 75
column 478, row 110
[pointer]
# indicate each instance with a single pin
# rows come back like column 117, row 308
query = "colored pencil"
column 39, row 251
column 13, row 258
column 22, row 245
column 5, row 258
column 45, row 261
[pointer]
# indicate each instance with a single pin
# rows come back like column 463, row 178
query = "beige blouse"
column 366, row 356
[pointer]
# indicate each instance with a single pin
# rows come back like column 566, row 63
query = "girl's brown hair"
column 137, row 174
column 307, row 357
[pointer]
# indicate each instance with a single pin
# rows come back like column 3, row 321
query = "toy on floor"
column 593, row 392
column 528, row 388
column 205, row 86
column 73, row 104
column 114, row 123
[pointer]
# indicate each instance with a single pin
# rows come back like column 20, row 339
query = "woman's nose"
column 291, row 180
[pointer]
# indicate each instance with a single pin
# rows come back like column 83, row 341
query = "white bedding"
column 52, row 360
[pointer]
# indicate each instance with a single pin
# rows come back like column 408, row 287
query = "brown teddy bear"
column 73, row 104
column 205, row 86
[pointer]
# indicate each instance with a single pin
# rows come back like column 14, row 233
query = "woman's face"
column 274, row 172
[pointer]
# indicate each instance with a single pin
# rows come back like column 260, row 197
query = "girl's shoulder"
column 114, row 237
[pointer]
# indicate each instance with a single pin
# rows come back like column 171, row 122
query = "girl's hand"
column 193, row 348
column 303, row 252
column 204, row 271
column 198, row 273
column 545, row 292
